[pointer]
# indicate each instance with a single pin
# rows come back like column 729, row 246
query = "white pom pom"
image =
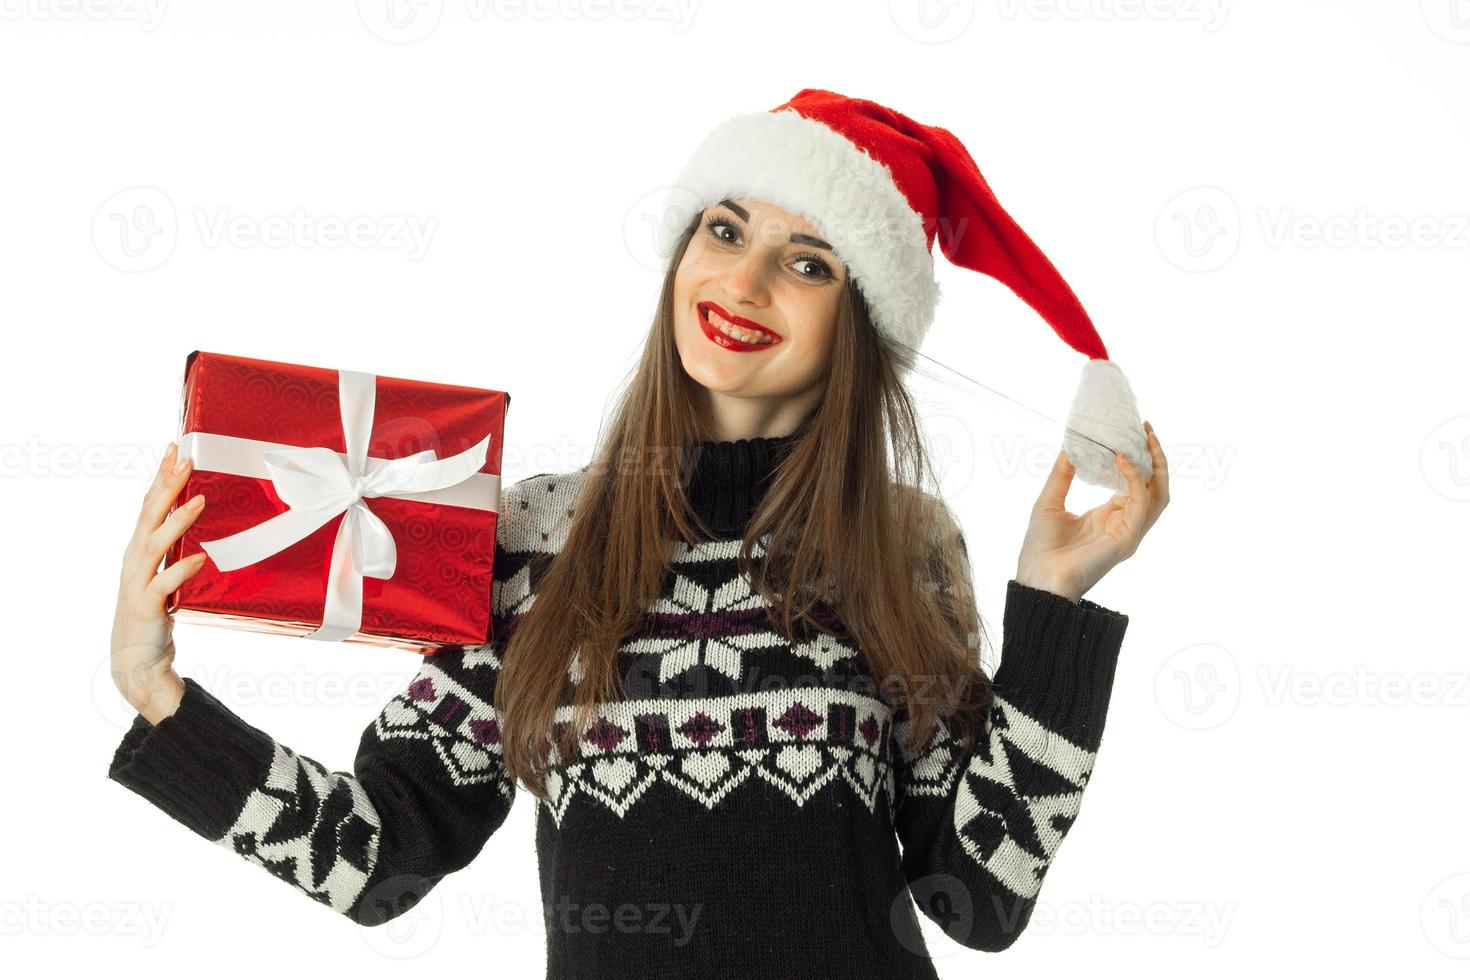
column 1104, row 418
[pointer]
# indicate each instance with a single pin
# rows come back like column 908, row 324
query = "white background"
column 1262, row 204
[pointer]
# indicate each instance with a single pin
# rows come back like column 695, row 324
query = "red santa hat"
column 881, row 187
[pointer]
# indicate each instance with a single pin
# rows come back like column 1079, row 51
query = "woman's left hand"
column 1067, row 554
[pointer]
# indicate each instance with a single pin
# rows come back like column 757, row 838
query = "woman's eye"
column 817, row 269
column 719, row 228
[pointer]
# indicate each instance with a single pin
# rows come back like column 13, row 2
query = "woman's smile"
column 732, row 332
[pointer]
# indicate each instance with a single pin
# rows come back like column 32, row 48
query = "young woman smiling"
column 737, row 655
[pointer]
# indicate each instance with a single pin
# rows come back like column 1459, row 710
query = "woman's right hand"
column 142, row 633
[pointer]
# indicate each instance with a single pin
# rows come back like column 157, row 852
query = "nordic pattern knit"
column 749, row 811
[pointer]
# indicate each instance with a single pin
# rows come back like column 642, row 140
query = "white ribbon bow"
column 318, row 485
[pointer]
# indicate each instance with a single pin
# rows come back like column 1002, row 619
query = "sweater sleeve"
column 978, row 833
column 426, row 791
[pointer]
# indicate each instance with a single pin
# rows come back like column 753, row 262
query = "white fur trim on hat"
column 1105, row 414
column 801, row 165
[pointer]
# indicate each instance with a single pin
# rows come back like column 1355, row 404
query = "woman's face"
column 767, row 271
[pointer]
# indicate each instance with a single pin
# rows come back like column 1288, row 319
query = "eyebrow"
column 796, row 237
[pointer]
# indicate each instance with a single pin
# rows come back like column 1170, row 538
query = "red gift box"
column 413, row 566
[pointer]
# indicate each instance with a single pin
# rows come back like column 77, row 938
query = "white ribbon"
column 317, row 484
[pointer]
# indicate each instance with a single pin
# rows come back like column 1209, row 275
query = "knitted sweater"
column 749, row 811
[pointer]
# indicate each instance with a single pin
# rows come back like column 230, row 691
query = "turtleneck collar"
column 730, row 478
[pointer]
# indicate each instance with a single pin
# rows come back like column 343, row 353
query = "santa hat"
column 880, row 187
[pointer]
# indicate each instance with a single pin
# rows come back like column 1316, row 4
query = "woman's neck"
column 731, row 476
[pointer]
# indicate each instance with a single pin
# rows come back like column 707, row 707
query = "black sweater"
column 750, row 811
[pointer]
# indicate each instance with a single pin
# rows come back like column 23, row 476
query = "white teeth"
column 728, row 329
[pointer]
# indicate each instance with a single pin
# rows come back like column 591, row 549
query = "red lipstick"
column 731, row 343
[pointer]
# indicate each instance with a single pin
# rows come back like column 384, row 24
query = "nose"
column 744, row 279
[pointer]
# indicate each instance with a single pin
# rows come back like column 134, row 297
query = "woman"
column 737, row 656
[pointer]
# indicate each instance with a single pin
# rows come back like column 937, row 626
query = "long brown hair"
column 888, row 554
